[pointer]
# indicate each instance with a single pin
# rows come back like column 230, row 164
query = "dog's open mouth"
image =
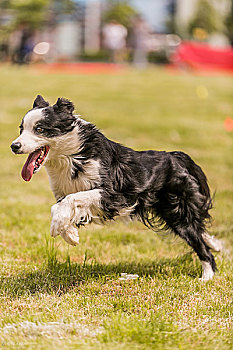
column 34, row 162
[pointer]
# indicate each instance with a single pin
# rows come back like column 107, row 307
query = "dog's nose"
column 15, row 146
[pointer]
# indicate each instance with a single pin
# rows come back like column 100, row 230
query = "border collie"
column 95, row 180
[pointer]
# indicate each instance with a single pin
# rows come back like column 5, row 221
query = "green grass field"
column 59, row 297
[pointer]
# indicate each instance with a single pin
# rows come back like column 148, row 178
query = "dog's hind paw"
column 207, row 271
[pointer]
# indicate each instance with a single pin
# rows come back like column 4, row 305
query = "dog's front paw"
column 62, row 223
column 70, row 235
column 61, row 216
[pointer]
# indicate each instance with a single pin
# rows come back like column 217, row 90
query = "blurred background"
column 196, row 33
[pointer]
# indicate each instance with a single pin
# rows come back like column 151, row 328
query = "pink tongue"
column 28, row 167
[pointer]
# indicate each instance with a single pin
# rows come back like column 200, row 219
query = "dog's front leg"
column 62, row 215
column 73, row 209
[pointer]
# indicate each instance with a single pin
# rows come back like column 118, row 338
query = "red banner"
column 204, row 56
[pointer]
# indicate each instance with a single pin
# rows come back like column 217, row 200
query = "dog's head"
column 40, row 130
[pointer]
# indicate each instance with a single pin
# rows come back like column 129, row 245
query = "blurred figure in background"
column 140, row 42
column 114, row 40
column 21, row 44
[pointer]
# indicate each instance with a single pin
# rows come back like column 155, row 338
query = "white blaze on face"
column 36, row 145
column 28, row 139
column 32, row 117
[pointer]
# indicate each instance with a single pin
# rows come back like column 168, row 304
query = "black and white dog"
column 94, row 180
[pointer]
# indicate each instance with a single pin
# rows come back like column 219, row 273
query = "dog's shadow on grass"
column 60, row 277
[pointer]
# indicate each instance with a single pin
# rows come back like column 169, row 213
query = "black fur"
column 167, row 188
column 58, row 119
column 40, row 102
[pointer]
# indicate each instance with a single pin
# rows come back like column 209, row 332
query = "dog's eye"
column 39, row 130
column 20, row 129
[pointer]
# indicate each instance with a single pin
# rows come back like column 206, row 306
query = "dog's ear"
column 40, row 102
column 64, row 105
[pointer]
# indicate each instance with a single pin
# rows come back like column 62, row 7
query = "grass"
column 59, row 297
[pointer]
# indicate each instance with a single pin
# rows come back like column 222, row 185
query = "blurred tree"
column 171, row 26
column 63, row 6
column 4, row 4
column 35, row 12
column 205, row 18
column 121, row 12
column 229, row 24
column 31, row 12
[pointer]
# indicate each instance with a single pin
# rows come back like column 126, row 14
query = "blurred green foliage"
column 229, row 24
column 30, row 12
column 122, row 12
column 206, row 17
column 35, row 13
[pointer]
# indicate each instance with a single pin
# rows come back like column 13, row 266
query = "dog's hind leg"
column 184, row 210
column 196, row 241
column 194, row 237
column 193, row 233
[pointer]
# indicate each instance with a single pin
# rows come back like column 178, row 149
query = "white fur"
column 60, row 176
column 81, row 202
column 28, row 139
column 74, row 208
column 212, row 242
column 59, row 166
column 32, row 117
column 60, row 145
column 30, row 142
column 207, row 273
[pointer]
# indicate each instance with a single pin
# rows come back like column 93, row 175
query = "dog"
column 97, row 180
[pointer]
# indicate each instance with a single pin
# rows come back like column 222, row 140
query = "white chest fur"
column 60, row 176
